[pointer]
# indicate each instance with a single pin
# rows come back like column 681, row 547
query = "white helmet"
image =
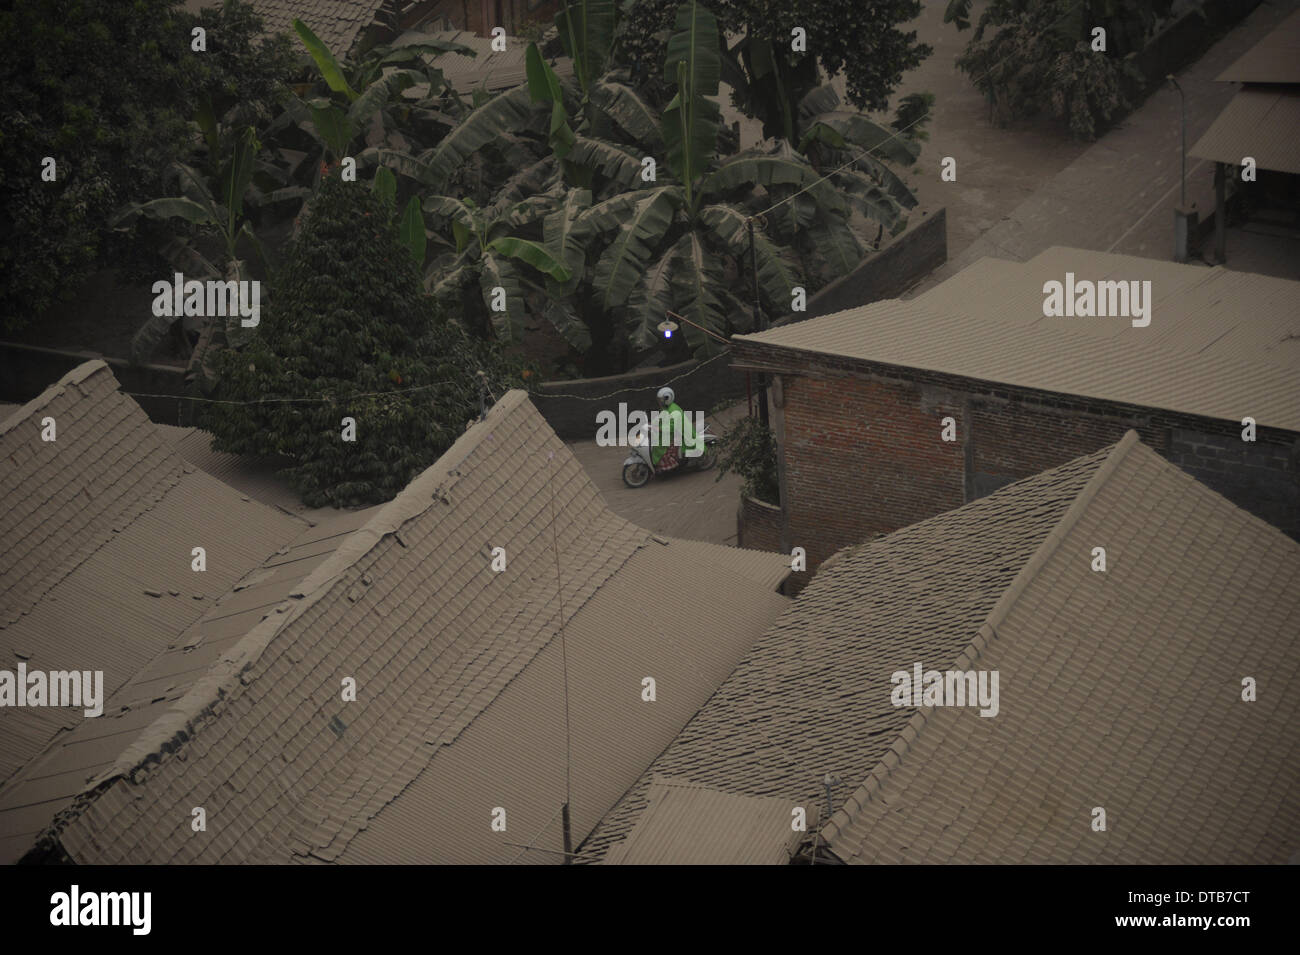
column 665, row 396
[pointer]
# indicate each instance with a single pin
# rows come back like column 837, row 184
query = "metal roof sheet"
column 513, row 754
column 686, row 824
column 1274, row 59
column 1262, row 122
column 1220, row 344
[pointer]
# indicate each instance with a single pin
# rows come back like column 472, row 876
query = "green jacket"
column 672, row 421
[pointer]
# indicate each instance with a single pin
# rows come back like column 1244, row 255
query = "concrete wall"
column 570, row 407
column 863, row 454
column 27, row 370
column 1185, row 39
column 885, row 274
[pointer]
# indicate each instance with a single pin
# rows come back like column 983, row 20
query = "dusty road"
column 695, row 505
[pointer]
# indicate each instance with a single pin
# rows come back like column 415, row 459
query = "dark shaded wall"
column 863, row 455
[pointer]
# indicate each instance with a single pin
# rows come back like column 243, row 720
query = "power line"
column 403, row 391
column 706, row 331
column 261, row 401
column 548, row 394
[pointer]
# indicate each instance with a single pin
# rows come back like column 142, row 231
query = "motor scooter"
column 637, row 469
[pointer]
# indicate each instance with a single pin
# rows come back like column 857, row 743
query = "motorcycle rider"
column 665, row 454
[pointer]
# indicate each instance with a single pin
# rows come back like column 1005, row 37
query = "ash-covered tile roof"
column 1121, row 690
column 813, row 695
column 75, row 761
column 248, row 475
column 459, row 675
column 338, row 23
column 1220, row 344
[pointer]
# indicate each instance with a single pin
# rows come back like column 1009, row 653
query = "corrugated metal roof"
column 1262, row 122
column 254, row 478
column 70, row 764
column 513, row 754
column 1220, row 344
column 443, row 651
column 1121, row 690
column 1274, row 59
column 96, row 546
column 686, row 824
column 812, row 696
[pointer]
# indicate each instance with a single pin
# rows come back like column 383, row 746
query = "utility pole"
column 759, row 324
column 1184, row 218
column 568, row 835
column 1183, row 105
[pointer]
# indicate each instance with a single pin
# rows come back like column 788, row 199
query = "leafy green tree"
column 106, row 89
column 854, row 153
column 859, row 38
column 749, row 449
column 350, row 330
column 1039, row 56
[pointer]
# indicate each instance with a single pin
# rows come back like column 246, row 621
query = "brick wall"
column 864, row 457
column 1013, row 439
column 1263, row 477
column 863, row 454
column 758, row 525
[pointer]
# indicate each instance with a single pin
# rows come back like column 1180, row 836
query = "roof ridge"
column 986, row 633
column 173, row 728
column 74, row 377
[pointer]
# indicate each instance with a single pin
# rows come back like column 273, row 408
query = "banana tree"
column 679, row 242
column 855, row 153
column 365, row 98
column 218, row 206
column 482, row 275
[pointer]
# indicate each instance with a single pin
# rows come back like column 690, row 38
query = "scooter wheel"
column 706, row 460
column 636, row 474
